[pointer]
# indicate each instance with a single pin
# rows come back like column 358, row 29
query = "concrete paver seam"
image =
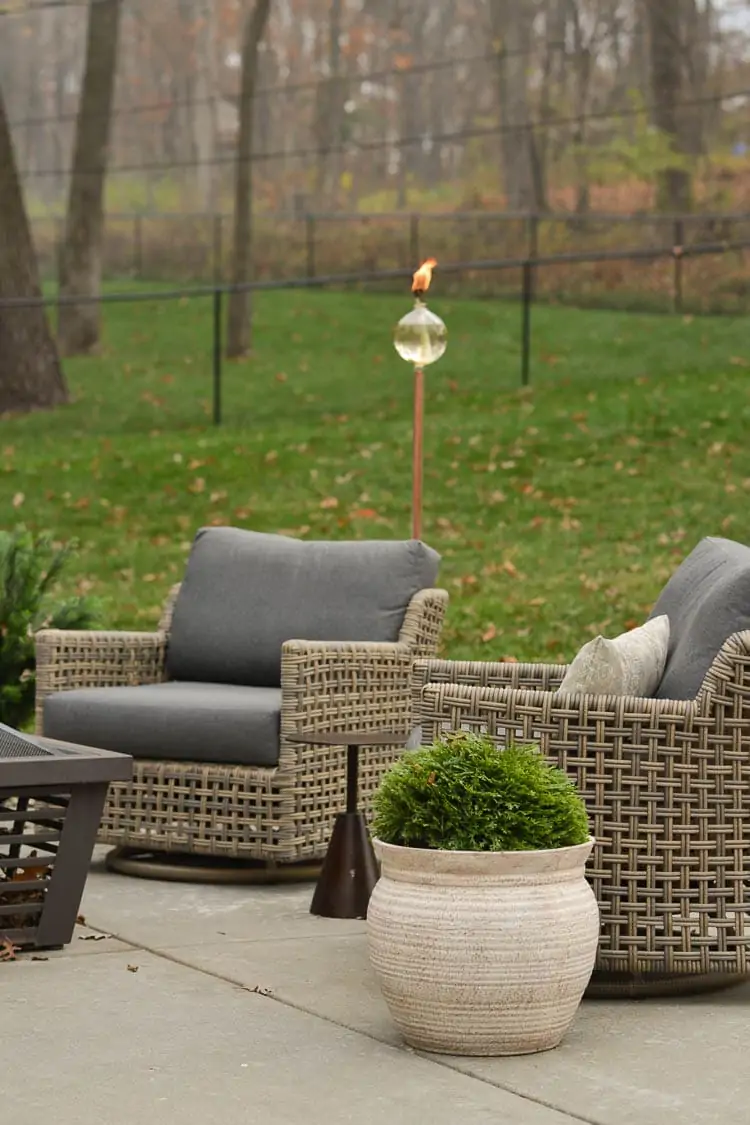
column 268, row 994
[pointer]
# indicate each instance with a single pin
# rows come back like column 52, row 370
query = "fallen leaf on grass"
column 738, row 361
column 489, row 634
column 18, row 499
column 329, row 502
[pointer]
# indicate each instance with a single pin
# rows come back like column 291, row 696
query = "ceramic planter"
column 483, row 953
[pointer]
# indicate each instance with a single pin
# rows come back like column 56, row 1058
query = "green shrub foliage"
column 465, row 794
column 29, row 567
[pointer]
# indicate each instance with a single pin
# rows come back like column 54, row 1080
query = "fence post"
column 414, row 238
column 310, row 243
column 217, row 249
column 527, row 298
column 678, row 240
column 138, row 247
column 532, row 232
column 217, row 355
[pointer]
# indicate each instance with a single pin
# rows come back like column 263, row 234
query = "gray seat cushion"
column 246, row 593
column 707, row 599
column 191, row 722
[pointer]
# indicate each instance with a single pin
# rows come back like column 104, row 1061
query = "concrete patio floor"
column 233, row 1005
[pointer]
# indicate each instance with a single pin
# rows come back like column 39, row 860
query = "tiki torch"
column 420, row 338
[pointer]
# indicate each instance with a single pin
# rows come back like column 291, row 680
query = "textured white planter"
column 483, row 953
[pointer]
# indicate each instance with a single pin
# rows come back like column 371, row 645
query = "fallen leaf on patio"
column 39, row 958
column 133, row 968
column 81, row 920
column 8, row 950
column 92, row 937
column 261, row 991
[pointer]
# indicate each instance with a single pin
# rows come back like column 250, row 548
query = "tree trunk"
column 511, row 23
column 675, row 187
column 81, row 259
column 330, row 111
column 30, row 374
column 698, row 40
column 239, row 328
column 582, row 65
column 206, row 104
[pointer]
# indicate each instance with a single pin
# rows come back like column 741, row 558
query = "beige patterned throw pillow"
column 631, row 664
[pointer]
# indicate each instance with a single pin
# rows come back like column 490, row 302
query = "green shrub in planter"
column 465, row 794
column 29, row 566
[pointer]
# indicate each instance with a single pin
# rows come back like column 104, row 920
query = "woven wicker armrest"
column 423, row 622
column 484, row 673
column 488, row 673
column 71, row 658
column 345, row 685
column 561, row 724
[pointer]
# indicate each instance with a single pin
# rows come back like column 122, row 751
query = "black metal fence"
column 196, row 248
column 529, row 267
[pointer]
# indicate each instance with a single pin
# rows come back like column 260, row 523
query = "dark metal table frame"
column 350, row 869
column 51, row 801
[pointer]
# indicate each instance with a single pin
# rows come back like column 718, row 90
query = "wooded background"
column 261, row 107
column 383, row 104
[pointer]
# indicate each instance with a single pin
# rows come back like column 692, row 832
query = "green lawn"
column 559, row 510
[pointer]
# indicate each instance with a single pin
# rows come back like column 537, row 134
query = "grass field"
column 559, row 510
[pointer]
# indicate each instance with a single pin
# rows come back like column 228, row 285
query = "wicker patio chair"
column 666, row 781
column 269, row 799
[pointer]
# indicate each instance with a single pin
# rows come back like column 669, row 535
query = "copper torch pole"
column 417, row 454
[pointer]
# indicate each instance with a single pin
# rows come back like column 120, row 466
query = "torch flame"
column 423, row 276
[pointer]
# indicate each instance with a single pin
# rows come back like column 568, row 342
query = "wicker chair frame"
column 282, row 814
column 667, row 786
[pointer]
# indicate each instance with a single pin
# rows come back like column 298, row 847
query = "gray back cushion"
column 245, row 593
column 707, row 599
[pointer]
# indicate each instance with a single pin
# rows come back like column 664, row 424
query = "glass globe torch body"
column 420, row 337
